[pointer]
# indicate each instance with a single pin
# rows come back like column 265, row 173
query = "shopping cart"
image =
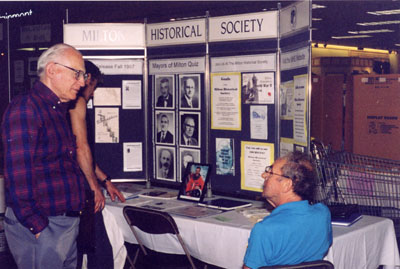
column 371, row 183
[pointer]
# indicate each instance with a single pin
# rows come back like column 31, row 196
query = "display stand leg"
column 148, row 184
column 209, row 192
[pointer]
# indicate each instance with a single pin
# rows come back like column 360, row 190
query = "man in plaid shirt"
column 43, row 181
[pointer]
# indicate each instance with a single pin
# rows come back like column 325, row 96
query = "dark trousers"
column 93, row 240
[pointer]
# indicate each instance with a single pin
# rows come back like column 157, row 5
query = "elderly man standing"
column 43, row 181
column 296, row 231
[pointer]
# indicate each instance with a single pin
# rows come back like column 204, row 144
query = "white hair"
column 51, row 55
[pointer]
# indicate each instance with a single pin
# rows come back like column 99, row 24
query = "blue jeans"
column 55, row 247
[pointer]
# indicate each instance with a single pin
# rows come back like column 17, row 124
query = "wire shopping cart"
column 370, row 182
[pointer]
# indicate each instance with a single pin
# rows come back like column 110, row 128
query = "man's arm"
column 245, row 267
column 84, row 154
column 112, row 190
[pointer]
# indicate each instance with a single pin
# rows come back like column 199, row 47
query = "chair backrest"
column 150, row 221
column 153, row 222
column 320, row 264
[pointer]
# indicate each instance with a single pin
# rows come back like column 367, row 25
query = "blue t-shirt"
column 294, row 232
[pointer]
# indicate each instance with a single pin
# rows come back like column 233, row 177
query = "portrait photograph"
column 165, row 163
column 190, row 86
column 186, row 156
column 194, row 182
column 164, row 91
column 165, row 127
column 190, row 129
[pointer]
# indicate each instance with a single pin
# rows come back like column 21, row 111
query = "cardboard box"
column 376, row 116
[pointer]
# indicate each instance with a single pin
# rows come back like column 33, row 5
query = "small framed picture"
column 165, row 127
column 187, row 155
column 194, row 182
column 165, row 163
column 190, row 129
column 164, row 91
column 190, row 97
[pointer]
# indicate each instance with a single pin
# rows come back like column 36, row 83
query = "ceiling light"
column 385, row 12
column 27, row 49
column 398, row 45
column 371, row 31
column 350, row 36
column 316, row 19
column 378, row 23
column 315, row 6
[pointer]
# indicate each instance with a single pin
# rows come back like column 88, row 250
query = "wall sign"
column 246, row 26
column 295, row 59
column 248, row 63
column 104, row 35
column 184, row 65
column 119, row 67
column 295, row 17
column 173, row 33
column 35, row 33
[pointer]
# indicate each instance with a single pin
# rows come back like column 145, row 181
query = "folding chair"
column 320, row 264
column 152, row 222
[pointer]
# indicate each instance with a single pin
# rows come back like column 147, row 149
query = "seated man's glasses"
column 78, row 73
column 268, row 170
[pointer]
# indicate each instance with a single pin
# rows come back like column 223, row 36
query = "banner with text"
column 247, row 63
column 180, row 66
column 105, row 35
column 242, row 27
column 295, row 59
column 174, row 33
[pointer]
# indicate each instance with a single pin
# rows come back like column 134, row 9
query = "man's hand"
column 113, row 191
column 99, row 200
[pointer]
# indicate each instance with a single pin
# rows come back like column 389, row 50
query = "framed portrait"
column 165, row 127
column 164, row 91
column 189, row 91
column 187, row 155
column 165, row 163
column 190, row 134
column 194, row 182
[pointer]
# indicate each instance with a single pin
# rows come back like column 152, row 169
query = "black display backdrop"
column 231, row 184
column 175, row 55
column 110, row 156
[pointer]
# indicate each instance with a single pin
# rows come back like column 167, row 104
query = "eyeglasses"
column 268, row 170
column 78, row 73
column 189, row 126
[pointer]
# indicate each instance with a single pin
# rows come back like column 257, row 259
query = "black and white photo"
column 190, row 129
column 164, row 91
column 165, row 163
column 190, row 91
column 165, row 127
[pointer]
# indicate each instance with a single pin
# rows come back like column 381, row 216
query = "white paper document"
column 107, row 97
column 132, row 157
column 131, row 94
column 259, row 122
column 107, row 125
column 225, row 101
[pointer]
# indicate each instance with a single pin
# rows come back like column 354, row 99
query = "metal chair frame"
column 152, row 222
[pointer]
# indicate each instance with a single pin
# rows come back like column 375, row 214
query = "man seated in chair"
column 296, row 231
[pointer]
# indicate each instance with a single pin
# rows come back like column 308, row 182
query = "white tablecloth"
column 222, row 240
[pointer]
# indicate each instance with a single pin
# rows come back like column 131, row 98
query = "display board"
column 295, row 91
column 177, row 90
column 242, row 140
column 119, row 102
